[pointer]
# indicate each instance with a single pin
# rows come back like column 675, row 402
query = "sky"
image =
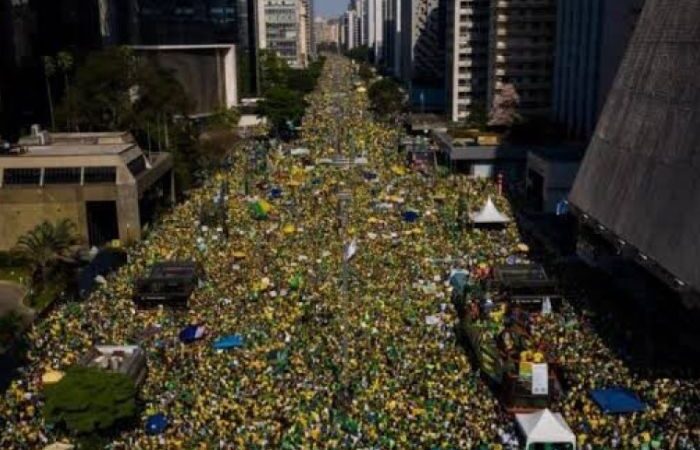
column 329, row 8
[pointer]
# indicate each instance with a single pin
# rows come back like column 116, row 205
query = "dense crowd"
column 325, row 366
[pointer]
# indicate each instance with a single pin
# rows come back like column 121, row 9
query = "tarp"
column 410, row 216
column 156, row 424
column 275, row 192
column 544, row 427
column 226, row 342
column 192, row 333
column 489, row 214
column 617, row 401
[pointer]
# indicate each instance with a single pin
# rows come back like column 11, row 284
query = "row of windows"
column 59, row 175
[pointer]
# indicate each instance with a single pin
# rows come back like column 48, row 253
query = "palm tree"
column 49, row 71
column 46, row 244
column 64, row 60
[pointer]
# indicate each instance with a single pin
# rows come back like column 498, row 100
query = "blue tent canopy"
column 617, row 401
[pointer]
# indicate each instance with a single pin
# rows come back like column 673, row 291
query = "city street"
column 333, row 271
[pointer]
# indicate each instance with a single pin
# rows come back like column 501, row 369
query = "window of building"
column 21, row 176
column 95, row 175
column 62, row 175
column 137, row 165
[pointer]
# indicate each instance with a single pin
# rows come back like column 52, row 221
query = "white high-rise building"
column 375, row 28
column 468, row 24
column 286, row 31
column 350, row 28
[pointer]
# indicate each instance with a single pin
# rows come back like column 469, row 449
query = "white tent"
column 545, row 427
column 489, row 214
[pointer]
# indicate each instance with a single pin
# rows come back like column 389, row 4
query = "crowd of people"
column 340, row 350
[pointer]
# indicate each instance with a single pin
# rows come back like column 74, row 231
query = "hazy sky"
column 329, row 8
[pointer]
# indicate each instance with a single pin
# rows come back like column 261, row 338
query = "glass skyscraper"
column 194, row 22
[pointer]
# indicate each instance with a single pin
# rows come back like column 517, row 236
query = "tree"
column 113, row 90
column 10, row 326
column 504, row 111
column 64, row 61
column 89, row 400
column 273, row 70
column 49, row 71
column 365, row 72
column 100, row 97
column 219, row 138
column 282, row 106
column 386, row 97
column 478, row 116
column 156, row 98
column 46, row 244
column 359, row 54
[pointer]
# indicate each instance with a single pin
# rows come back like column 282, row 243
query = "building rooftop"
column 41, row 143
column 76, row 150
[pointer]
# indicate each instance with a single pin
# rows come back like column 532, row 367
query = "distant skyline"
column 329, row 8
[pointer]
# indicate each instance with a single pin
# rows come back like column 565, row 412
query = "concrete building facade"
column 521, row 52
column 207, row 73
column 103, row 182
column 592, row 36
column 282, row 30
column 467, row 56
column 327, row 30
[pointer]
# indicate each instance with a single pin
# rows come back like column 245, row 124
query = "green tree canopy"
column 360, row 53
column 46, row 244
column 282, row 105
column 274, row 70
column 386, row 97
column 365, row 71
column 113, row 90
column 89, row 400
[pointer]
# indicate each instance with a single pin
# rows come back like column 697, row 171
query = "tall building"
column 30, row 30
column 521, row 52
column 282, row 30
column 467, row 56
column 326, row 30
column 592, row 36
column 351, row 35
column 391, row 47
column 423, row 51
column 200, row 22
column 308, row 21
column 361, row 19
column 638, row 183
column 375, row 29
column 303, row 33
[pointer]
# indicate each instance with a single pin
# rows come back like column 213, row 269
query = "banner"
column 350, row 250
column 540, row 379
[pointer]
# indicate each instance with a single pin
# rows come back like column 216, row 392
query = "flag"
column 350, row 250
